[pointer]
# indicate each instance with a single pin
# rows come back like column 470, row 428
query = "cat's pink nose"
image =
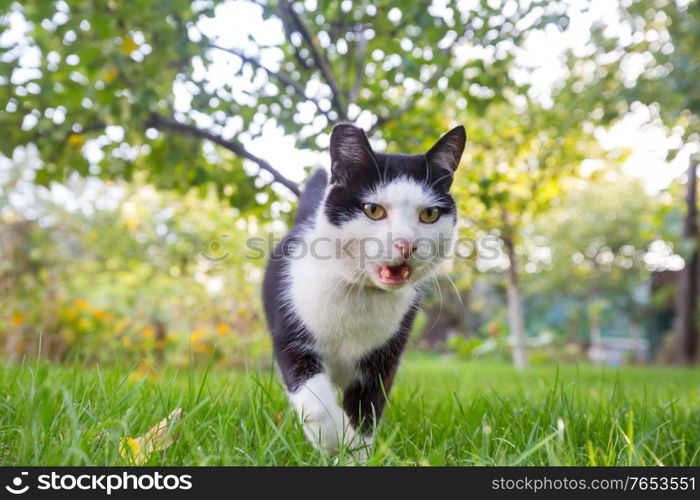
column 405, row 247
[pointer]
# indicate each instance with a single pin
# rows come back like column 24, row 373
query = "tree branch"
column 359, row 68
column 319, row 59
column 164, row 123
column 281, row 77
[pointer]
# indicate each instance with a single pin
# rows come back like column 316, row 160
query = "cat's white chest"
column 346, row 323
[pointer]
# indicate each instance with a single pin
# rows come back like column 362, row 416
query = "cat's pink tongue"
column 394, row 275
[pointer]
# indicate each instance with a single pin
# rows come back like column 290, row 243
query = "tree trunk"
column 160, row 332
column 686, row 345
column 641, row 352
column 516, row 320
column 14, row 251
column 596, row 351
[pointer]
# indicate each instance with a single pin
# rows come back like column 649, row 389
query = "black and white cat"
column 342, row 288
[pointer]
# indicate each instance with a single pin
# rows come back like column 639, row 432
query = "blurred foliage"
column 84, row 74
column 588, row 260
column 149, row 277
column 599, row 238
column 515, row 164
column 96, row 90
column 591, row 259
column 650, row 57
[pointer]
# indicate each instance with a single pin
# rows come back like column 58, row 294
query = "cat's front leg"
column 325, row 423
column 364, row 402
column 364, row 399
column 310, row 390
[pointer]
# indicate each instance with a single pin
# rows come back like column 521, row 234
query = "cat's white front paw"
column 327, row 432
column 325, row 424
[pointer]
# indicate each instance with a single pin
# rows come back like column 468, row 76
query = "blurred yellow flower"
column 196, row 336
column 203, row 348
column 76, row 141
column 126, row 341
column 110, row 74
column 84, row 324
column 129, row 45
column 81, row 303
column 147, row 332
column 17, row 319
column 143, row 370
column 98, row 314
column 222, row 329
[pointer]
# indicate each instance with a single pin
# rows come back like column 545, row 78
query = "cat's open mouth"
column 395, row 275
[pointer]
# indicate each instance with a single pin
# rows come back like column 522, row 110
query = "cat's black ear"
column 447, row 152
column 350, row 151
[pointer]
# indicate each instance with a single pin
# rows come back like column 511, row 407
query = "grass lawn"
column 442, row 412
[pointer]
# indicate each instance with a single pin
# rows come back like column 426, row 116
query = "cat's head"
column 394, row 211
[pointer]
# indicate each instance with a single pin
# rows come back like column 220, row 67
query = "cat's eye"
column 429, row 215
column 374, row 211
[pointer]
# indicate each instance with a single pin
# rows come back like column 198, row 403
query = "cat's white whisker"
column 427, row 169
column 376, row 165
column 454, row 286
column 439, row 291
column 434, row 183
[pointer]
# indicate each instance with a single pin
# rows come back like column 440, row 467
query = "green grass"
column 441, row 412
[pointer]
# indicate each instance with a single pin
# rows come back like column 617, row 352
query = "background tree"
column 594, row 256
column 105, row 73
column 80, row 86
column 687, row 330
column 516, row 163
column 654, row 60
column 88, row 99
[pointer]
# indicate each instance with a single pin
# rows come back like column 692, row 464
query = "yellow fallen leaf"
column 137, row 450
